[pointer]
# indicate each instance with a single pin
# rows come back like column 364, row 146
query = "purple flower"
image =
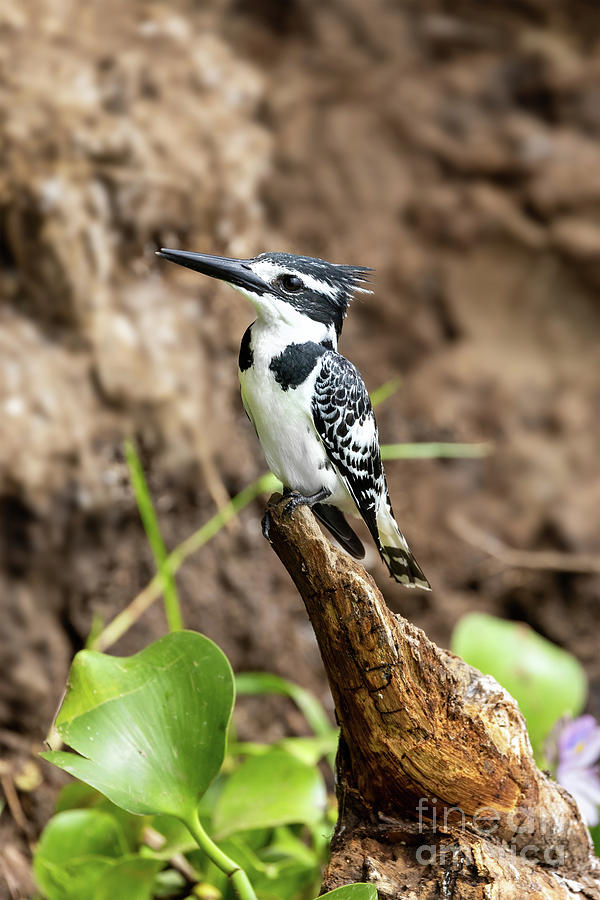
column 578, row 751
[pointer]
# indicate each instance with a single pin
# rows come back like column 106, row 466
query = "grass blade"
column 436, row 450
column 385, row 390
column 122, row 622
column 151, row 527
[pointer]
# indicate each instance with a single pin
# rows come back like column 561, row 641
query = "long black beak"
column 236, row 272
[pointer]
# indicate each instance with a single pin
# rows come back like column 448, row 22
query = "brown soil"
column 452, row 146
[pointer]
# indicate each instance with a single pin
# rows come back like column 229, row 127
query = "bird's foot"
column 265, row 525
column 298, row 499
column 294, row 499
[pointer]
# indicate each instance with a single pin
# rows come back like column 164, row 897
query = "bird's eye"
column 290, row 283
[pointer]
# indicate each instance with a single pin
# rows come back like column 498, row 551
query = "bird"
column 308, row 404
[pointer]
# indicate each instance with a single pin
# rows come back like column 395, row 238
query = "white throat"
column 272, row 337
column 279, row 324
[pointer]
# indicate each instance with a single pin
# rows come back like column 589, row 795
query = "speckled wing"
column 344, row 420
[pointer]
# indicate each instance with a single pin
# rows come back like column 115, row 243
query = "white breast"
column 285, row 428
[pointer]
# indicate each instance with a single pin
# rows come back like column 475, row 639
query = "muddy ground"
column 454, row 147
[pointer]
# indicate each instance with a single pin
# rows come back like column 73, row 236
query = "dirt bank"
column 456, row 151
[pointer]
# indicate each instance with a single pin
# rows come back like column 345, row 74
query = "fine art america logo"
column 515, row 826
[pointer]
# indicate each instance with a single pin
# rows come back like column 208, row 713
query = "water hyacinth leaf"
column 74, row 850
column 352, row 892
column 150, row 728
column 269, row 790
column 308, row 749
column 287, row 844
column 287, row 878
column 77, row 795
column 545, row 680
column 81, row 832
column 311, row 749
column 131, row 878
column 70, row 881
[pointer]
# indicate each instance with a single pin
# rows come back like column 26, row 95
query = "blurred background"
column 452, row 146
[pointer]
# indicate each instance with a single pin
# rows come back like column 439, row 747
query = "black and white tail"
column 396, row 553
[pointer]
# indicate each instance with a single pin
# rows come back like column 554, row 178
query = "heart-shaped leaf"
column 286, row 878
column 311, row 749
column 77, row 795
column 272, row 789
column 545, row 680
column 75, row 849
column 352, row 892
column 131, row 878
column 150, row 728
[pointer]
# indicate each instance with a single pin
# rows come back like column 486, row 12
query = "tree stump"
column 439, row 795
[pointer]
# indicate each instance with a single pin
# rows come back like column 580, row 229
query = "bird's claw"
column 294, row 499
column 266, row 525
column 290, row 506
column 286, row 513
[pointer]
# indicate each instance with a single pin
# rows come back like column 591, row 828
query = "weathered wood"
column 439, row 793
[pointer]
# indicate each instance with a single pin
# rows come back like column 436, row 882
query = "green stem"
column 239, row 879
column 128, row 616
column 152, row 529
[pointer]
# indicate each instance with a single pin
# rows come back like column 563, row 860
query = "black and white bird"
column 309, row 404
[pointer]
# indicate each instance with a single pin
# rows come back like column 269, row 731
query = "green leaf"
column 268, row 790
column 287, row 844
column 307, row 703
column 71, row 881
column 311, row 749
column 289, row 878
column 131, row 878
column 78, row 795
column 151, row 728
column 81, row 832
column 352, row 892
column 546, row 681
column 74, row 850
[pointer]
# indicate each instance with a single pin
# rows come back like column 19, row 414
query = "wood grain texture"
column 438, row 790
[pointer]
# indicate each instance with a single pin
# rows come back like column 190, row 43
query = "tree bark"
column 439, row 795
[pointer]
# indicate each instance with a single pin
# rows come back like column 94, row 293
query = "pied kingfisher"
column 308, row 404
